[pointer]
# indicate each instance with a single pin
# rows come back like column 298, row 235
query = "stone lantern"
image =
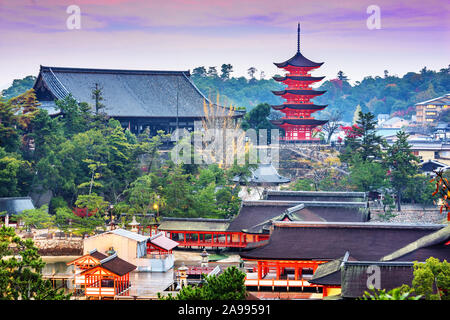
column 182, row 275
column 134, row 225
column 205, row 259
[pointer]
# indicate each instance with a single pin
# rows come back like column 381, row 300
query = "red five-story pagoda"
column 298, row 123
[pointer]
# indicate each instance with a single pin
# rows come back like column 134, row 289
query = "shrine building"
column 159, row 100
column 296, row 251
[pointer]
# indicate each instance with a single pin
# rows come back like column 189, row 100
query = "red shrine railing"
column 214, row 238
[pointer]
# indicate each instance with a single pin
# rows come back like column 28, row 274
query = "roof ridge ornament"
column 298, row 37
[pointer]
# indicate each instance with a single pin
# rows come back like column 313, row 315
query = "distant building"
column 427, row 112
column 382, row 117
column 394, row 122
column 429, row 166
column 442, row 132
column 427, row 149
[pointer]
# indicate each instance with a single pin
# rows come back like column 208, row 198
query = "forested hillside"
column 389, row 94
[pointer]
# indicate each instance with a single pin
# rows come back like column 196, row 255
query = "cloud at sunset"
column 184, row 34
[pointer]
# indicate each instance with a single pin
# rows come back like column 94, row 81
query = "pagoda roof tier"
column 299, row 61
column 299, row 92
column 310, row 122
column 298, row 78
column 296, row 106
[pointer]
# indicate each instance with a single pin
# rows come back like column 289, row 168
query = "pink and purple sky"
column 184, row 34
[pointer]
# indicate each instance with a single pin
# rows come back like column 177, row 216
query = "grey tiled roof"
column 15, row 205
column 129, row 93
column 265, row 173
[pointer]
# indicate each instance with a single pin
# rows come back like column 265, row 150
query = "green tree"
column 419, row 190
column 95, row 206
column 227, row 286
column 432, row 279
column 65, row 219
column 20, row 270
column 400, row 293
column 199, row 72
column 251, row 72
column 212, row 72
column 257, row 118
column 15, row 175
column 38, row 218
column 364, row 140
column 367, row 175
column 402, row 164
column 342, row 76
column 142, row 197
column 226, row 70
column 18, row 87
column 97, row 96
column 75, row 116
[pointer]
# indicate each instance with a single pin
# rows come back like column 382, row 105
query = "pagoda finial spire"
column 298, row 37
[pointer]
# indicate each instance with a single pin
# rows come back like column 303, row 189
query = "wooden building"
column 427, row 112
column 296, row 250
column 395, row 268
column 159, row 244
column 159, row 100
column 255, row 218
column 83, row 263
column 201, row 232
column 111, row 277
column 252, row 226
column 152, row 254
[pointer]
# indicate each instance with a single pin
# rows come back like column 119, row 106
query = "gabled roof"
column 355, row 276
column 265, row 173
column 115, row 265
column 124, row 233
column 193, row 224
column 330, row 240
column 15, row 205
column 126, row 93
column 257, row 216
column 93, row 253
column 440, row 101
column 434, row 244
column 329, row 273
column 333, row 196
column 130, row 235
column 163, row 242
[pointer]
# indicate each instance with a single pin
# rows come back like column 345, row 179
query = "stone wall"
column 59, row 247
column 412, row 214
